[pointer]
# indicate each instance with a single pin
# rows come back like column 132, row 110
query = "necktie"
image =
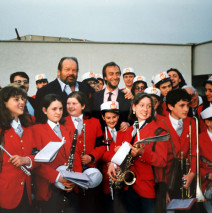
column 57, row 131
column 113, row 134
column 19, row 130
column 179, row 129
column 79, row 125
column 68, row 89
column 29, row 108
column 109, row 97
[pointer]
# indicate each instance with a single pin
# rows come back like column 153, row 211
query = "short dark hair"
column 83, row 100
column 110, row 64
column 177, row 95
column 46, row 101
column 19, row 73
column 162, row 81
column 136, row 100
column 182, row 83
column 60, row 65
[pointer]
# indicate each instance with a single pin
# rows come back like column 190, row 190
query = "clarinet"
column 71, row 156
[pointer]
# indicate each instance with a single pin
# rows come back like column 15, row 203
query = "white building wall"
column 43, row 57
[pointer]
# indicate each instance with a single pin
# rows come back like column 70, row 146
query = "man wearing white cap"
column 40, row 80
column 90, row 78
column 205, row 145
column 128, row 76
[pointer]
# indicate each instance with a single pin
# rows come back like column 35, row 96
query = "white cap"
column 159, row 77
column 89, row 76
column 95, row 177
column 207, row 113
column 128, row 70
column 99, row 76
column 40, row 77
column 139, row 78
column 110, row 106
column 152, row 91
column 209, row 79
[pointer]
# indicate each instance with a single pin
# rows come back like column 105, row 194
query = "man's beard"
column 71, row 83
column 111, row 86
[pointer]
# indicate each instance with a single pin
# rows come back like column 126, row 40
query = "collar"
column 210, row 134
column 15, row 124
column 115, row 91
column 141, row 124
column 81, row 117
column 174, row 121
column 52, row 124
column 62, row 85
column 110, row 129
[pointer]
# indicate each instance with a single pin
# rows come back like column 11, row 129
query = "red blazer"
column 205, row 150
column 202, row 124
column 13, row 179
column 92, row 130
column 142, row 166
column 47, row 171
column 181, row 143
column 107, row 156
column 165, row 112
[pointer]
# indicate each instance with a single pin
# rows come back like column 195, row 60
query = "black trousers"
column 137, row 204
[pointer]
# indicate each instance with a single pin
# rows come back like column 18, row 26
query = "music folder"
column 180, row 204
column 49, row 152
column 78, row 178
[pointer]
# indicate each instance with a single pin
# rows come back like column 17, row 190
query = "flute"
column 106, row 136
column 22, row 167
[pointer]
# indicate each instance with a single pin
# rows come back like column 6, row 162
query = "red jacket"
column 13, row 179
column 181, row 143
column 107, row 156
column 92, row 131
column 142, row 166
column 47, row 171
column 205, row 150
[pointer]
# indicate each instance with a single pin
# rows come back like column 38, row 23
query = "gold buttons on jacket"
column 22, row 147
column 22, row 183
column 21, row 141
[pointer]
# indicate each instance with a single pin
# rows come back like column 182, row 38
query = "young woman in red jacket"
column 140, row 197
column 16, row 137
column 51, row 129
column 90, row 143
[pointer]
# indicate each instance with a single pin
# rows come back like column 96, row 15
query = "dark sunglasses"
column 141, row 88
column 41, row 81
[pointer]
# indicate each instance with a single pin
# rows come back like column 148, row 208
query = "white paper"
column 49, row 152
column 121, row 154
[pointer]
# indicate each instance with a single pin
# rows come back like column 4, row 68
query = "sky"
column 143, row 21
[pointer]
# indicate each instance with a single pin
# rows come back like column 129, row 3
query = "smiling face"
column 112, row 77
column 74, row 108
column 180, row 109
column 139, row 87
column 208, row 92
column 175, row 79
column 111, row 119
column 143, row 109
column 16, row 106
column 54, row 112
column 68, row 73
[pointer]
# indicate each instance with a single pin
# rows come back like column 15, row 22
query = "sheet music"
column 179, row 204
column 49, row 152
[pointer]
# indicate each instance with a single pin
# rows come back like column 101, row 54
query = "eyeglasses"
column 41, row 81
column 20, row 82
column 141, row 88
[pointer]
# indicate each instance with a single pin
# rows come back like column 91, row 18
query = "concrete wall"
column 43, row 57
column 202, row 58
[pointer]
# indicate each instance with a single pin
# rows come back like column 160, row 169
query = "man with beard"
column 111, row 73
column 63, row 85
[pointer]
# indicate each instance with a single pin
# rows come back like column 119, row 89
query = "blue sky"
column 148, row 21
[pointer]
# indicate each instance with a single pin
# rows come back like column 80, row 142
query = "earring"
column 133, row 112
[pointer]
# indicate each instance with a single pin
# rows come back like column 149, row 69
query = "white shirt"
column 113, row 96
column 75, row 122
column 63, row 85
column 52, row 124
column 174, row 121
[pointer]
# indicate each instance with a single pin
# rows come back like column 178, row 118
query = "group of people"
column 97, row 125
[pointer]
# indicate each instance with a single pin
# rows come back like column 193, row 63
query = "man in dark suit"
column 63, row 85
column 111, row 73
column 23, row 79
